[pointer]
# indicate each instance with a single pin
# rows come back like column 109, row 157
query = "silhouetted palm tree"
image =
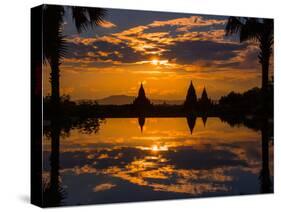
column 259, row 30
column 54, row 44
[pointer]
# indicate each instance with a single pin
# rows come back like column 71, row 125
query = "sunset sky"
column 165, row 51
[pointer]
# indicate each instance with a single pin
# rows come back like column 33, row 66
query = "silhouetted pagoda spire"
column 204, row 101
column 141, row 102
column 141, row 92
column 191, row 98
column 204, row 96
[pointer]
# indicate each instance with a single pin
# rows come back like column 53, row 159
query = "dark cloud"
column 167, row 28
column 191, row 51
column 198, row 159
column 125, row 52
column 120, row 52
column 187, row 52
column 77, row 50
column 203, row 158
column 207, row 28
column 249, row 62
column 124, row 19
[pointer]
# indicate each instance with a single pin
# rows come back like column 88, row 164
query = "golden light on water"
column 156, row 148
column 162, row 152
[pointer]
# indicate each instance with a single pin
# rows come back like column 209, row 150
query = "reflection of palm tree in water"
column 265, row 181
column 53, row 192
column 141, row 120
column 191, row 121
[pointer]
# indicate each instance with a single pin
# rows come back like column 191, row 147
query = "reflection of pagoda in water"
column 204, row 119
column 191, row 121
column 141, row 102
column 141, row 122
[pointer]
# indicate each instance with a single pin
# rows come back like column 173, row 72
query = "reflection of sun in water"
column 156, row 148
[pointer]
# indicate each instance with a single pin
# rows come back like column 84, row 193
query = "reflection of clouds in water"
column 215, row 159
column 166, row 178
column 103, row 187
column 102, row 156
column 191, row 170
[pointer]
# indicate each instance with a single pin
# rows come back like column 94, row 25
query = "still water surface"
column 131, row 159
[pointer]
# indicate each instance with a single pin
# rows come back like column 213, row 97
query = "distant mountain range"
column 124, row 99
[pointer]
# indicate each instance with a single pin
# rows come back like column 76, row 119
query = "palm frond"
column 53, row 40
column 85, row 18
column 234, row 25
column 79, row 18
column 96, row 15
column 60, row 47
column 251, row 30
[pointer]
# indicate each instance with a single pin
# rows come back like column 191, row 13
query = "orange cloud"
column 188, row 23
column 103, row 187
column 107, row 24
column 80, row 40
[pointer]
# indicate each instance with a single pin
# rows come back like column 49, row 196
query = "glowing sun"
column 154, row 62
column 157, row 62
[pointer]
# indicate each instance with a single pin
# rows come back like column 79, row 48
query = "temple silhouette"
column 204, row 103
column 192, row 104
column 141, row 103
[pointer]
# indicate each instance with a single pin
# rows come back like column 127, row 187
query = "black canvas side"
column 36, row 106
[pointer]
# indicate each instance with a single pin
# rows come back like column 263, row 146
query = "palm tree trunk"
column 265, row 67
column 265, row 181
column 55, row 196
column 55, row 86
column 264, row 56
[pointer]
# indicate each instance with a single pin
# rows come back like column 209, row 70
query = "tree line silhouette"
column 250, row 102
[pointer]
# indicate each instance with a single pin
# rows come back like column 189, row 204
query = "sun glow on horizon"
column 159, row 62
column 155, row 62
